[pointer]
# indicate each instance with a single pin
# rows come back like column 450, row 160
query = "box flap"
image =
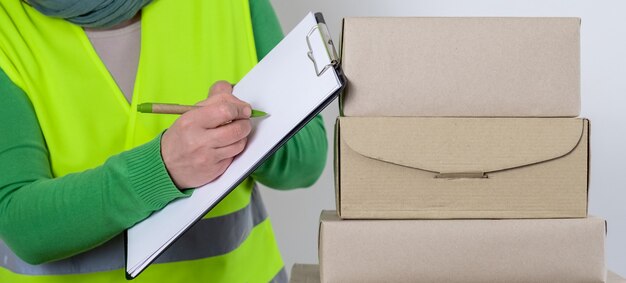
column 462, row 145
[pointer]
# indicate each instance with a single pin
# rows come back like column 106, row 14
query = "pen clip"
column 321, row 30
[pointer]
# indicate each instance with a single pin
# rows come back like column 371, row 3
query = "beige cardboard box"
column 518, row 250
column 305, row 273
column 310, row 273
column 489, row 67
column 437, row 168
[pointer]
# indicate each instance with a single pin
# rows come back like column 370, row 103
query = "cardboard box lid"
column 461, row 145
column 461, row 67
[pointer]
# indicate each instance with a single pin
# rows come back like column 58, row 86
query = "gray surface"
column 603, row 63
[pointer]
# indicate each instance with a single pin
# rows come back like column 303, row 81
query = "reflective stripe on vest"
column 186, row 45
column 246, row 258
column 210, row 237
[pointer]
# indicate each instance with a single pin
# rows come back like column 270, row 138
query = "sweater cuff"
column 149, row 177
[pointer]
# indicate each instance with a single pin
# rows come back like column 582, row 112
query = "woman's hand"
column 202, row 143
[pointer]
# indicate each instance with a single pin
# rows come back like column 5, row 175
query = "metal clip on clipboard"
column 318, row 41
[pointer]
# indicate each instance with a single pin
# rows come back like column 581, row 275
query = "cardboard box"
column 437, row 168
column 488, row 67
column 305, row 273
column 310, row 273
column 519, row 250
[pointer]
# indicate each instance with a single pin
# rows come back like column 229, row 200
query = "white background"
column 603, row 61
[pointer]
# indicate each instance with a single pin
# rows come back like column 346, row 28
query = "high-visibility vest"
column 186, row 45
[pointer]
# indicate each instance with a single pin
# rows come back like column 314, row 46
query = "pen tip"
column 257, row 114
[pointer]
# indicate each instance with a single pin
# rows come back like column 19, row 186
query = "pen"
column 166, row 108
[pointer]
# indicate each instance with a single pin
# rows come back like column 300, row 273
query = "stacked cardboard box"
column 459, row 157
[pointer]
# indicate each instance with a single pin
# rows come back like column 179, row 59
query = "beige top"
column 118, row 49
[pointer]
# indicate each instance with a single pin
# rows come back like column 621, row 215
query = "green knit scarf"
column 90, row 13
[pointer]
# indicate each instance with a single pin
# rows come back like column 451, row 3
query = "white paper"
column 285, row 85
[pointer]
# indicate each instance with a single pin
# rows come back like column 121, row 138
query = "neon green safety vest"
column 186, row 46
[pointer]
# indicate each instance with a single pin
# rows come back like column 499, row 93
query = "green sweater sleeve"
column 300, row 162
column 44, row 218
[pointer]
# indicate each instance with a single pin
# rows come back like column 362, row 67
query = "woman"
column 79, row 165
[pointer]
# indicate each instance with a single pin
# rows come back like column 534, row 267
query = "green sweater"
column 43, row 218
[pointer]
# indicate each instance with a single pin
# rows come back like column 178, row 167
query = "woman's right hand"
column 202, row 143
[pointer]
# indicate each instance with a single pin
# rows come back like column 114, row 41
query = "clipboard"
column 294, row 83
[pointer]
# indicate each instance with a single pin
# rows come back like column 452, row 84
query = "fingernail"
column 247, row 111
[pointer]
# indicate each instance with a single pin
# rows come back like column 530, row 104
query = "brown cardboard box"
column 310, row 273
column 489, row 67
column 436, row 168
column 519, row 250
column 305, row 273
